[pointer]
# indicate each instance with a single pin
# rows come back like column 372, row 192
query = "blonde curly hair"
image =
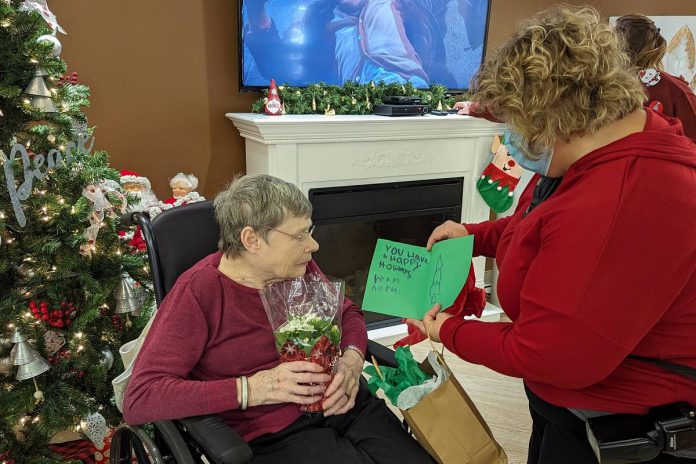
column 562, row 73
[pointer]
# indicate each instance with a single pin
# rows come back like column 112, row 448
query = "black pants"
column 559, row 436
column 367, row 434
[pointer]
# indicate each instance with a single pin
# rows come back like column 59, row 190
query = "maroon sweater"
column 208, row 331
column 604, row 268
column 677, row 99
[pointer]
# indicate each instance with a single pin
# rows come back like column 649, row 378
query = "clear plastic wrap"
column 305, row 315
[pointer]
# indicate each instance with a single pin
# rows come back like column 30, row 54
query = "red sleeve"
column 487, row 234
column 159, row 388
column 353, row 327
column 588, row 297
column 478, row 111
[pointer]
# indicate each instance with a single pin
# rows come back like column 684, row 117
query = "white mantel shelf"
column 314, row 128
column 316, row 151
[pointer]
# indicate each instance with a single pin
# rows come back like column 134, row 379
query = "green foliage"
column 41, row 261
column 351, row 98
column 305, row 332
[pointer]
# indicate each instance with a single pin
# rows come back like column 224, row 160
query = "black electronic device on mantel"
column 400, row 110
column 401, row 100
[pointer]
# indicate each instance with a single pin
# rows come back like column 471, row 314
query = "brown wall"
column 163, row 74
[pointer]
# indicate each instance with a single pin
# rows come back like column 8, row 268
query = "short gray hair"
column 257, row 201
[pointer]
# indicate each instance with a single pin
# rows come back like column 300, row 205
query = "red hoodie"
column 604, row 268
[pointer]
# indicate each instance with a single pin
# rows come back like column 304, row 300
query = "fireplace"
column 350, row 219
column 372, row 175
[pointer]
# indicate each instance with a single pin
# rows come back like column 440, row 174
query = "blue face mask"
column 516, row 148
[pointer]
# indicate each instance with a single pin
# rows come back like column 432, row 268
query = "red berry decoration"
column 61, row 316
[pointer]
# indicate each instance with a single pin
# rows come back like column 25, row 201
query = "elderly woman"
column 599, row 261
column 668, row 94
column 211, row 330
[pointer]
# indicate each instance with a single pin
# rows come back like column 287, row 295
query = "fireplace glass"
column 349, row 220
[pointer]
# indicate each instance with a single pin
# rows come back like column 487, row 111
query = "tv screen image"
column 300, row 42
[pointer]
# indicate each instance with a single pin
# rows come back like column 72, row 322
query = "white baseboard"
column 491, row 313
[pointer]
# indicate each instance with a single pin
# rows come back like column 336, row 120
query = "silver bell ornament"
column 17, row 337
column 53, row 40
column 32, row 369
column 128, row 297
column 107, row 359
column 24, row 353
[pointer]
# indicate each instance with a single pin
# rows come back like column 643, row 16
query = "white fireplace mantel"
column 314, row 151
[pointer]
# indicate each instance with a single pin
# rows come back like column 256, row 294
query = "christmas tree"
column 68, row 283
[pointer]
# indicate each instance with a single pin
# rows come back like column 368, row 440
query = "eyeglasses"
column 299, row 237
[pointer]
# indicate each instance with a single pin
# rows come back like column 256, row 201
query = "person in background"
column 667, row 94
column 211, row 337
column 599, row 261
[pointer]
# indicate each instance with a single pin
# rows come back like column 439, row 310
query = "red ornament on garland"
column 273, row 106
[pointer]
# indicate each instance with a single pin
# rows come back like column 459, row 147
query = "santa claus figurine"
column 139, row 186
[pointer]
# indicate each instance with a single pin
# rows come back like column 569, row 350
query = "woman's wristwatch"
column 356, row 349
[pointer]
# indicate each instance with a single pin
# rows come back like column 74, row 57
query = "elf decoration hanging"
column 499, row 179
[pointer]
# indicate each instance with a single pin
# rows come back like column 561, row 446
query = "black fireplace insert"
column 350, row 219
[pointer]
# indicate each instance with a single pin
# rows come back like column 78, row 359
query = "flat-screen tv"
column 300, row 42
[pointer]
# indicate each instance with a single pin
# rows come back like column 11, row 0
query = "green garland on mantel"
column 352, row 98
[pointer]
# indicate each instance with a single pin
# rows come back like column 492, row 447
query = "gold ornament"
column 329, row 111
column 439, row 106
column 314, row 104
column 353, row 100
column 51, row 138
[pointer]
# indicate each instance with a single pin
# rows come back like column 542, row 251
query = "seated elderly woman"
column 212, row 329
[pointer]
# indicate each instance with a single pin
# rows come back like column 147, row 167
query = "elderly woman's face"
column 289, row 248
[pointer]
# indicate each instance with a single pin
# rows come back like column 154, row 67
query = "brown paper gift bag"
column 448, row 425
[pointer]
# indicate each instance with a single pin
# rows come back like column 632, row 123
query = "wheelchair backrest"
column 180, row 237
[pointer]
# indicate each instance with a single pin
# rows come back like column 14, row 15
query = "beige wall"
column 164, row 72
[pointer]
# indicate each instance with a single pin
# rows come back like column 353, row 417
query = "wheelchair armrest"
column 383, row 355
column 220, row 442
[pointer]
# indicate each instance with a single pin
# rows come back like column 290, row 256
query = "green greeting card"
column 406, row 280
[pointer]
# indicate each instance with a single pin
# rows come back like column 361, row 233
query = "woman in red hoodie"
column 599, row 261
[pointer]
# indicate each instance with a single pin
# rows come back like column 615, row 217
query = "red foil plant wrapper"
column 305, row 315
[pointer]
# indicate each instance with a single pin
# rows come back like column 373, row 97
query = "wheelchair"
column 176, row 240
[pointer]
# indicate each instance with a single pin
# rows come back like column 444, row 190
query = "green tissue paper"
column 398, row 379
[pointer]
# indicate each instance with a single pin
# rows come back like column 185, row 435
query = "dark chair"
column 176, row 240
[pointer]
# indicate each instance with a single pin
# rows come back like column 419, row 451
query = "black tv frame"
column 259, row 88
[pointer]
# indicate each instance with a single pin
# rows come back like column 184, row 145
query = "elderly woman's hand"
column 340, row 396
column 431, row 323
column 288, row 382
